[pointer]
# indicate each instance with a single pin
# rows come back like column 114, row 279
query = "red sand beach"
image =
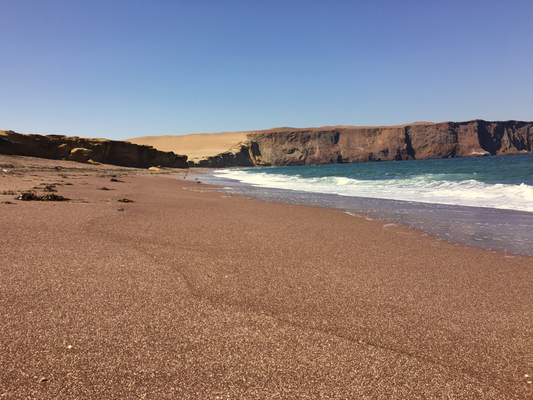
column 186, row 292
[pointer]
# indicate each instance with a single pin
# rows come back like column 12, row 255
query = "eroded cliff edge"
column 59, row 147
column 331, row 145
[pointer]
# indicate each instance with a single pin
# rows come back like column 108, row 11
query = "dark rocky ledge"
column 114, row 152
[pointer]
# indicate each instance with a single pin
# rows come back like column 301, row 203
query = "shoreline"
column 494, row 229
column 192, row 293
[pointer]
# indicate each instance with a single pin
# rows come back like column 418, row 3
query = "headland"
column 349, row 144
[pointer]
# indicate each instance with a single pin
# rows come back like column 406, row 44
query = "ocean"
column 481, row 201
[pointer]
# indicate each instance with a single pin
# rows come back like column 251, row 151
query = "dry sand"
column 196, row 145
column 191, row 293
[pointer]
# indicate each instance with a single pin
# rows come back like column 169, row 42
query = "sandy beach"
column 186, row 292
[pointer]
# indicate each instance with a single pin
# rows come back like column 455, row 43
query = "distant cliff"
column 331, row 145
column 74, row 148
column 290, row 146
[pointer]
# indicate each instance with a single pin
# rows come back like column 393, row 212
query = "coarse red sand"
column 192, row 293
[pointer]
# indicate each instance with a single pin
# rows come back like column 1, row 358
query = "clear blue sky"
column 125, row 68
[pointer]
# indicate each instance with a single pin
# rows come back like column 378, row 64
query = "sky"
column 120, row 69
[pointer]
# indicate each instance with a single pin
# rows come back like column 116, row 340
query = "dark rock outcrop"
column 74, row 148
column 241, row 155
column 331, row 145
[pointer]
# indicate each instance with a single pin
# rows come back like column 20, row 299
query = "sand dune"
column 195, row 145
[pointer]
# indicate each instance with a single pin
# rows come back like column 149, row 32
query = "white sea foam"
column 425, row 188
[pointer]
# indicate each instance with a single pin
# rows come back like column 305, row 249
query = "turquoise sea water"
column 484, row 201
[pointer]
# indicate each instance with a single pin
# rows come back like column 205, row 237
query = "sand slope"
column 195, row 145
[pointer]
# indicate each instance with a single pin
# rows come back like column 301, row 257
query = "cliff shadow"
column 486, row 138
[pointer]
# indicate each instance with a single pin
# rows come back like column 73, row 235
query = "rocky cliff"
column 330, row 145
column 290, row 146
column 74, row 148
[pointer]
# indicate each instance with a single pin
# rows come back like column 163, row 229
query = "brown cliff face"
column 73, row 148
column 289, row 146
column 416, row 141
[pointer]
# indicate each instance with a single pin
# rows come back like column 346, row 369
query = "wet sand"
column 191, row 293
